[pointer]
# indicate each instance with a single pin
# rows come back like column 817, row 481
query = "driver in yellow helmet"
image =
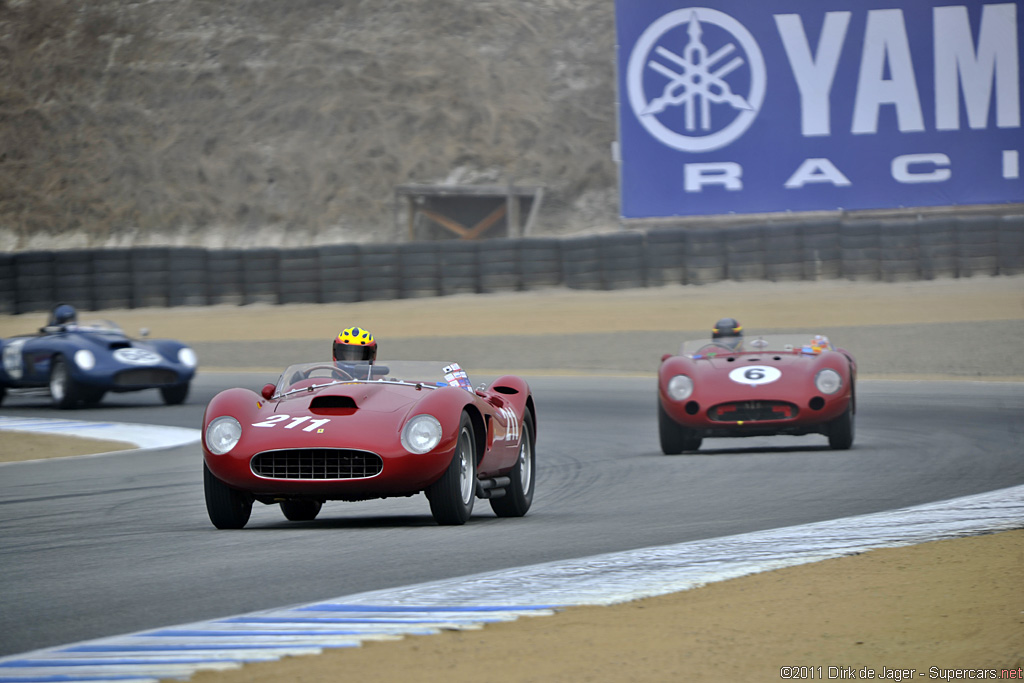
column 355, row 344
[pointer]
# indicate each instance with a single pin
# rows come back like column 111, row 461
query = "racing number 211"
column 275, row 420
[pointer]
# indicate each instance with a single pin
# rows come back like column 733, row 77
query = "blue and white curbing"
column 140, row 435
column 473, row 601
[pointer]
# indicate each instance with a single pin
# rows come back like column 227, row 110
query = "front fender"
column 241, row 404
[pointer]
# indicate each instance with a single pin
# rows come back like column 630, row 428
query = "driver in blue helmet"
column 729, row 333
column 61, row 317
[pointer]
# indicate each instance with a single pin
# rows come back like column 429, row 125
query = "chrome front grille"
column 316, row 464
column 753, row 411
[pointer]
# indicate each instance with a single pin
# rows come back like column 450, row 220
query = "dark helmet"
column 63, row 314
column 355, row 344
column 728, row 331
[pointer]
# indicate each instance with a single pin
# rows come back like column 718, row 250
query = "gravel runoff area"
column 950, row 609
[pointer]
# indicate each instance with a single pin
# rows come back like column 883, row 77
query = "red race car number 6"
column 275, row 420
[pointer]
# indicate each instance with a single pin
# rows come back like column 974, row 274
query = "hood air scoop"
column 333, row 405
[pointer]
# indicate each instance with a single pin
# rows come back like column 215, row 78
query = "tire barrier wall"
column 885, row 250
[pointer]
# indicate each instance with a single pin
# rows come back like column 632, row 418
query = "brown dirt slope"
column 256, row 120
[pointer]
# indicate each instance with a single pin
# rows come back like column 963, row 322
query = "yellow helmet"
column 355, row 343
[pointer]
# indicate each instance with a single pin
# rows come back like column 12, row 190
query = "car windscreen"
column 768, row 343
column 424, row 373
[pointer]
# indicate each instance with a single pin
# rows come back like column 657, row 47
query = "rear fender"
column 516, row 391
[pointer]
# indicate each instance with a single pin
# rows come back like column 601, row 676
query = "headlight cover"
column 187, row 357
column 222, row 434
column 85, row 359
column 680, row 388
column 828, row 381
column 421, row 434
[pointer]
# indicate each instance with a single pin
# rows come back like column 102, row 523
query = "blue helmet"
column 63, row 314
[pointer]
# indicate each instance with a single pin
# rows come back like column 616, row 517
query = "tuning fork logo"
column 695, row 79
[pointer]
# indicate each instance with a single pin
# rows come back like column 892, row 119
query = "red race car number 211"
column 275, row 420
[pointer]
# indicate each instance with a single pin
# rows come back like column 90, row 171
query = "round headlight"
column 421, row 434
column 828, row 381
column 84, row 359
column 222, row 434
column 680, row 387
column 187, row 357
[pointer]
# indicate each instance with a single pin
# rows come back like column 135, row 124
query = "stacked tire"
column 705, row 256
column 860, row 250
column 112, row 279
column 459, row 267
column 820, row 247
column 622, row 261
column 150, row 277
column 744, row 248
column 783, row 257
column 1011, row 245
column 225, row 276
column 419, row 263
column 73, row 278
column 937, row 247
column 581, row 262
column 340, row 273
column 898, row 243
column 299, row 276
column 260, row 276
column 499, row 266
column 663, row 257
column 188, row 285
column 379, row 277
column 541, row 262
column 977, row 246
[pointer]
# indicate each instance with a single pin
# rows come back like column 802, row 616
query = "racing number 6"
column 754, row 374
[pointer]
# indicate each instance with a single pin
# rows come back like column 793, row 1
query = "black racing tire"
column 840, row 431
column 519, row 494
column 452, row 496
column 3, row 393
column 301, row 510
column 175, row 394
column 675, row 438
column 64, row 391
column 228, row 508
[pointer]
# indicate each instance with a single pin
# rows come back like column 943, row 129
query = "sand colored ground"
column 16, row 446
column 950, row 604
column 809, row 305
column 953, row 605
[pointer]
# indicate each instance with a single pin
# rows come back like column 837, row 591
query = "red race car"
column 758, row 386
column 362, row 430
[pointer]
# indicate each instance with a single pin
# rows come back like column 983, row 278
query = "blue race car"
column 81, row 363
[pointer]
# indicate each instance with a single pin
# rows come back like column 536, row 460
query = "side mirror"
column 666, row 357
column 268, row 391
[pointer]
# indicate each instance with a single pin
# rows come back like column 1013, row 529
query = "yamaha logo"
column 696, row 79
column 136, row 357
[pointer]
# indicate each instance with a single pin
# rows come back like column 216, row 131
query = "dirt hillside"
column 199, row 122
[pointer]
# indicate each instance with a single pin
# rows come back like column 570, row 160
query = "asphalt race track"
column 118, row 543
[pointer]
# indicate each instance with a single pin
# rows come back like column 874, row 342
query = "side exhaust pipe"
column 492, row 488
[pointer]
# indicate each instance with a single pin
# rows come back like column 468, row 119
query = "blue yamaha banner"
column 791, row 105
